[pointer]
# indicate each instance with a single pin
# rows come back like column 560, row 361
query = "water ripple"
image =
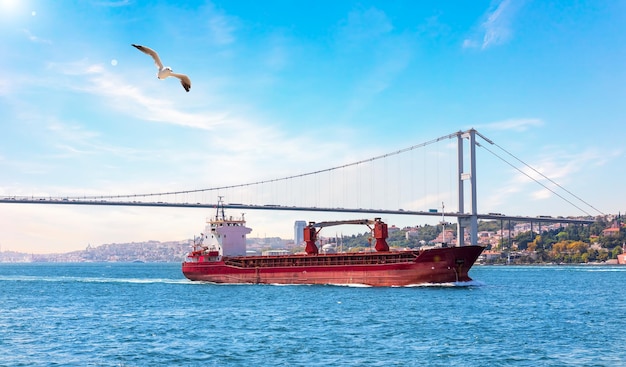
column 149, row 315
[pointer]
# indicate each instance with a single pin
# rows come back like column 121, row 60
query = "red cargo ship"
column 219, row 256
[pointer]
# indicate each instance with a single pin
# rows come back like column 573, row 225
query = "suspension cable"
column 532, row 178
column 549, row 179
column 449, row 136
column 372, row 159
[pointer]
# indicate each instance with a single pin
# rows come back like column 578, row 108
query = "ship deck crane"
column 379, row 229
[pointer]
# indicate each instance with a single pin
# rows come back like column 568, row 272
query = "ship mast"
column 443, row 223
column 220, row 205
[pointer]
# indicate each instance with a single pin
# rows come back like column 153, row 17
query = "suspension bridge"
column 366, row 186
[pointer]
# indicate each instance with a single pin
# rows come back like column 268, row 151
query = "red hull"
column 440, row 265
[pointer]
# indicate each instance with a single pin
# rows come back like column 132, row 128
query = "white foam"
column 471, row 283
column 60, row 279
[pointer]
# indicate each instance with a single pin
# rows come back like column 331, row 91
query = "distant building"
column 489, row 256
column 613, row 231
column 412, row 233
column 621, row 258
column 447, row 237
column 484, row 237
column 522, row 227
column 298, row 232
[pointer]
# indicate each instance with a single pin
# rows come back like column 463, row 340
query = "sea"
column 147, row 314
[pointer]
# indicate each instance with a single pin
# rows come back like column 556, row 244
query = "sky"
column 281, row 88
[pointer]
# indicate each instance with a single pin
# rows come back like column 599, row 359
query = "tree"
column 577, row 247
column 537, row 243
column 612, row 241
column 585, row 257
column 523, row 239
column 616, row 251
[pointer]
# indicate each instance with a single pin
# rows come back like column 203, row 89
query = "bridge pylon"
column 472, row 218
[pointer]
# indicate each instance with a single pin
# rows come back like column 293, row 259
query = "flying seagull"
column 164, row 71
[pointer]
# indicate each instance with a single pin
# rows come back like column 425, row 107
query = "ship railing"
column 320, row 260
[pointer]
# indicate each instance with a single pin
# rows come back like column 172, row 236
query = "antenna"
column 220, row 205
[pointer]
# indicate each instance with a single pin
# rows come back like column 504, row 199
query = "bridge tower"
column 472, row 219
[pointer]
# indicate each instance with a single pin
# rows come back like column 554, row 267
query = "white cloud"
column 222, row 29
column 4, row 87
column 239, row 134
column 34, row 38
column 520, row 124
column 245, row 147
column 277, row 55
column 541, row 194
column 432, row 201
column 496, row 29
column 221, row 26
column 561, row 169
column 112, row 3
column 132, row 100
column 71, row 132
column 468, row 43
column 497, row 26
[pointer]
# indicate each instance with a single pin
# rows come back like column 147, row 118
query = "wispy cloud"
column 382, row 75
column 364, row 25
column 71, row 132
column 387, row 52
column 496, row 29
column 277, row 55
column 4, row 87
column 520, row 124
column 222, row 29
column 559, row 167
column 34, row 38
column 74, row 140
column 221, row 26
column 132, row 100
column 497, row 26
column 432, row 27
column 112, row 3
column 246, row 147
column 428, row 201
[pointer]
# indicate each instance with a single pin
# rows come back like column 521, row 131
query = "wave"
column 606, row 270
column 74, row 279
column 471, row 283
column 64, row 279
column 351, row 285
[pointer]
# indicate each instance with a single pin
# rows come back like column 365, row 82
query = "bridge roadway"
column 490, row 216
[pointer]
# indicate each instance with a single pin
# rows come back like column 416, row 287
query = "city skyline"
column 280, row 89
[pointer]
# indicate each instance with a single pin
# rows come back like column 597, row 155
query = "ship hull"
column 440, row 265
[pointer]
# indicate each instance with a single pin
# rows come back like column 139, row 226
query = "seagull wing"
column 184, row 80
column 151, row 52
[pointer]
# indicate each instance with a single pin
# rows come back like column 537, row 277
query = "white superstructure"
column 225, row 235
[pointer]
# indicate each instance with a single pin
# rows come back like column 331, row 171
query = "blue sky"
column 285, row 87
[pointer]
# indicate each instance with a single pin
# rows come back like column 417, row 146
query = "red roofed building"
column 613, row 231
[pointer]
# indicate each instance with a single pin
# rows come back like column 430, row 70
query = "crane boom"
column 340, row 222
column 380, row 233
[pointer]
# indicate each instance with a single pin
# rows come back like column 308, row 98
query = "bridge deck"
column 491, row 216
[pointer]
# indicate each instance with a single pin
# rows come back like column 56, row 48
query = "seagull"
column 164, row 71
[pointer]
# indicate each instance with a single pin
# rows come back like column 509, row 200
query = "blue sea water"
column 150, row 315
